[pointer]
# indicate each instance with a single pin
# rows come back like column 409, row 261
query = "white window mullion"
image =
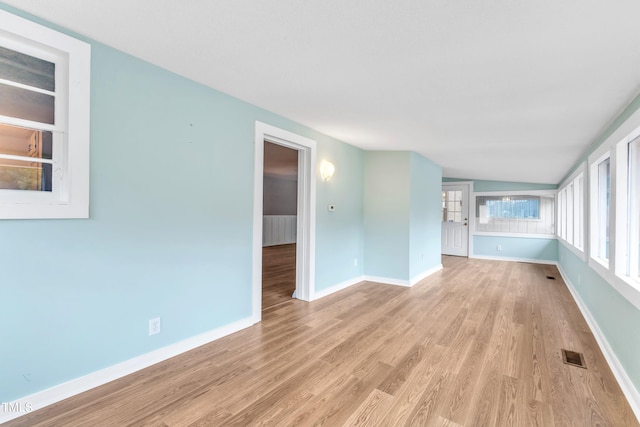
column 27, row 87
column 13, row 121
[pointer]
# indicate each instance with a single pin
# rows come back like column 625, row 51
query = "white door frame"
column 470, row 209
column 306, row 231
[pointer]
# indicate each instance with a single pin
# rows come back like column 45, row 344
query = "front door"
column 455, row 219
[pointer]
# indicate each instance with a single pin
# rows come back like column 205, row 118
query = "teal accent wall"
column 516, row 247
column 617, row 318
column 425, row 246
column 169, row 234
column 402, row 214
column 387, row 213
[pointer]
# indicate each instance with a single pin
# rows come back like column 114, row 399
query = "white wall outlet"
column 355, row 262
column 499, row 248
column 154, row 326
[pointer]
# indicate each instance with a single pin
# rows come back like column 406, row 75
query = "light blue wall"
column 516, row 247
column 425, row 226
column 483, row 185
column 169, row 234
column 527, row 248
column 340, row 234
column 387, row 214
column 402, row 214
column 618, row 319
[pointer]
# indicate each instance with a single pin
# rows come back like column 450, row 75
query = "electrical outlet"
column 355, row 262
column 499, row 248
column 154, row 326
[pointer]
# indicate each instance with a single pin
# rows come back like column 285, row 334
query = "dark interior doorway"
column 280, row 204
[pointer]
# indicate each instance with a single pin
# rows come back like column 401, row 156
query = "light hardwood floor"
column 278, row 274
column 477, row 344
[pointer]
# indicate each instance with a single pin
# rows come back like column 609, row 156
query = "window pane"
column 578, row 214
column 516, row 214
column 20, row 68
column 18, row 141
column 22, row 174
column 633, row 215
column 602, row 250
column 510, row 206
column 562, row 201
column 569, row 215
column 25, row 104
column 30, row 176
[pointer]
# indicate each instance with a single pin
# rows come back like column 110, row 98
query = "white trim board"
column 426, row 274
column 384, row 280
column 306, row 211
column 529, row 260
column 629, row 390
column 78, row 385
column 338, row 287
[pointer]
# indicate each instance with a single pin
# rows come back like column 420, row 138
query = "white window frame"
column 626, row 226
column 578, row 212
column 472, row 218
column 595, row 160
column 562, row 216
column 70, row 198
column 617, row 227
column 574, row 217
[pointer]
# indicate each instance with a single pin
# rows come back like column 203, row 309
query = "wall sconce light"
column 327, row 169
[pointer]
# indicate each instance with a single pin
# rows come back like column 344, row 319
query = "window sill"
column 627, row 289
column 577, row 252
column 523, row 235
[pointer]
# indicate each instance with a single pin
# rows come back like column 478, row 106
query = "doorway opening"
column 305, row 214
column 279, row 223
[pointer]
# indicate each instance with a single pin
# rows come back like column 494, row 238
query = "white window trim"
column 73, row 199
column 621, row 212
column 600, row 155
column 626, row 130
column 579, row 252
column 472, row 209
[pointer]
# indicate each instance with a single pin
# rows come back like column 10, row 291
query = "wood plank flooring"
column 477, row 344
column 278, row 274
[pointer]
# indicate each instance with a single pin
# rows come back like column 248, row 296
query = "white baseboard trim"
column 387, row 281
column 335, row 288
column 529, row 260
column 629, row 390
column 39, row 400
column 425, row 274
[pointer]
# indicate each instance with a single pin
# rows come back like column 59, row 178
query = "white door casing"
column 306, row 227
column 455, row 219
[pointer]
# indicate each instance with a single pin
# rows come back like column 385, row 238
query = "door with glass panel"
column 455, row 219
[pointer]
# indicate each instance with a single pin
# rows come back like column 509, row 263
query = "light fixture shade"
column 327, row 169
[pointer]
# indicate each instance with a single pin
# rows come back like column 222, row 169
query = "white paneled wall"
column 278, row 229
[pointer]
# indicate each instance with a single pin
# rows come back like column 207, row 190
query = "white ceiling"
column 497, row 89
